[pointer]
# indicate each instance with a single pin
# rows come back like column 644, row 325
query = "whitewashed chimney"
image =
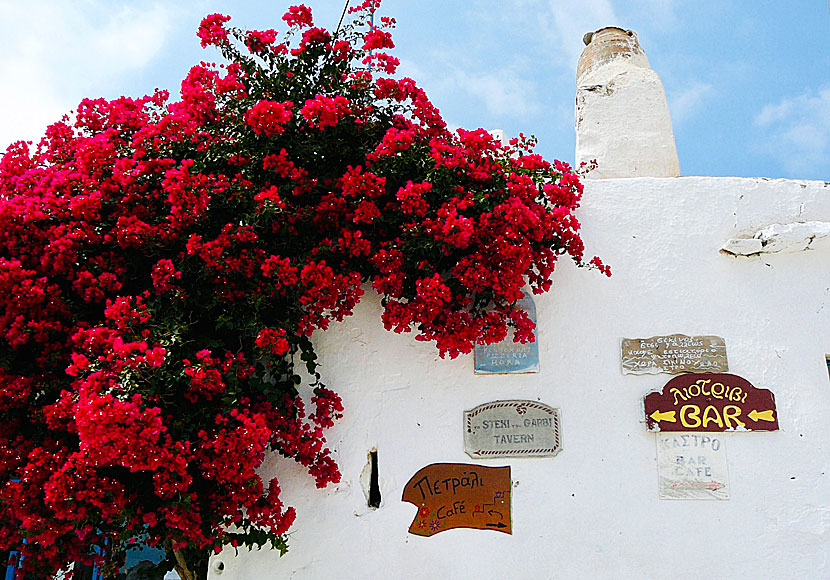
column 622, row 117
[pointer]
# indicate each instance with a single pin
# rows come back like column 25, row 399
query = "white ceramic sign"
column 512, row 429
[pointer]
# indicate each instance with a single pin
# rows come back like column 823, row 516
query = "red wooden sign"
column 710, row 402
column 459, row 495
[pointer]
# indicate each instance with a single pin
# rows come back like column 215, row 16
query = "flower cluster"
column 269, row 117
column 212, row 30
column 322, row 111
column 164, row 265
column 273, row 341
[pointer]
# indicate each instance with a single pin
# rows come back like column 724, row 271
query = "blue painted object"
column 508, row 357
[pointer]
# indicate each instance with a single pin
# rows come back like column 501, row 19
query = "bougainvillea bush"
column 164, row 265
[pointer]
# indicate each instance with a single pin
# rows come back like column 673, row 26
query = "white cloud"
column 685, row 103
column 797, row 132
column 569, row 20
column 772, row 113
column 557, row 26
column 131, row 38
column 661, row 12
column 503, row 92
column 409, row 68
column 56, row 53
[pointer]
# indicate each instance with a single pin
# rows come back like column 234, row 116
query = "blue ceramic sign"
column 508, row 357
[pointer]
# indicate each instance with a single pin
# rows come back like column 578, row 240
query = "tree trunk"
column 182, row 569
column 189, row 564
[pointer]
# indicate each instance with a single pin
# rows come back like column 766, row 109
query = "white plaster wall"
column 593, row 511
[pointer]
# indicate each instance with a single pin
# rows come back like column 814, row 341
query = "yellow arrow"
column 761, row 415
column 667, row 416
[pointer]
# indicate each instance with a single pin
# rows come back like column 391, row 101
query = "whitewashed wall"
column 593, row 511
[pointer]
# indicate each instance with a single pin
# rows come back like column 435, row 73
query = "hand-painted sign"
column 692, row 466
column 512, row 429
column 459, row 495
column 673, row 354
column 508, row 357
column 710, row 402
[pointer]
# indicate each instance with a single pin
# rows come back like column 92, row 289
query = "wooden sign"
column 508, row 357
column 459, row 495
column 710, row 402
column 673, row 354
column 512, row 429
column 692, row 466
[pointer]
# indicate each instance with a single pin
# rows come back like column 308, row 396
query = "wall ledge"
column 782, row 239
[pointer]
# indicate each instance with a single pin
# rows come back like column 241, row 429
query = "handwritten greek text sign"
column 710, row 402
column 512, row 429
column 508, row 357
column 692, row 466
column 673, row 354
column 459, row 495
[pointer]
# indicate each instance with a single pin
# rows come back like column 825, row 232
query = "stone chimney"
column 622, row 118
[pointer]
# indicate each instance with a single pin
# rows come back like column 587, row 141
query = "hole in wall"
column 218, row 567
column 374, row 488
column 370, row 480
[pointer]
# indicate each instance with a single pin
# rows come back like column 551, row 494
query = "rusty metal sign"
column 692, row 466
column 508, row 357
column 512, row 429
column 459, row 495
column 710, row 402
column 673, row 354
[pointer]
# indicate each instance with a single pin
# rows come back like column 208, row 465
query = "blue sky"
column 748, row 83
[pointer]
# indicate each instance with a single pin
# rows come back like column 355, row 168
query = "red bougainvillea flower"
column 322, row 111
column 298, row 16
column 273, row 341
column 212, row 30
column 166, row 263
column 269, row 117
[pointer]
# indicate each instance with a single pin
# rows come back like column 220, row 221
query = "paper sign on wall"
column 459, row 495
column 692, row 466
